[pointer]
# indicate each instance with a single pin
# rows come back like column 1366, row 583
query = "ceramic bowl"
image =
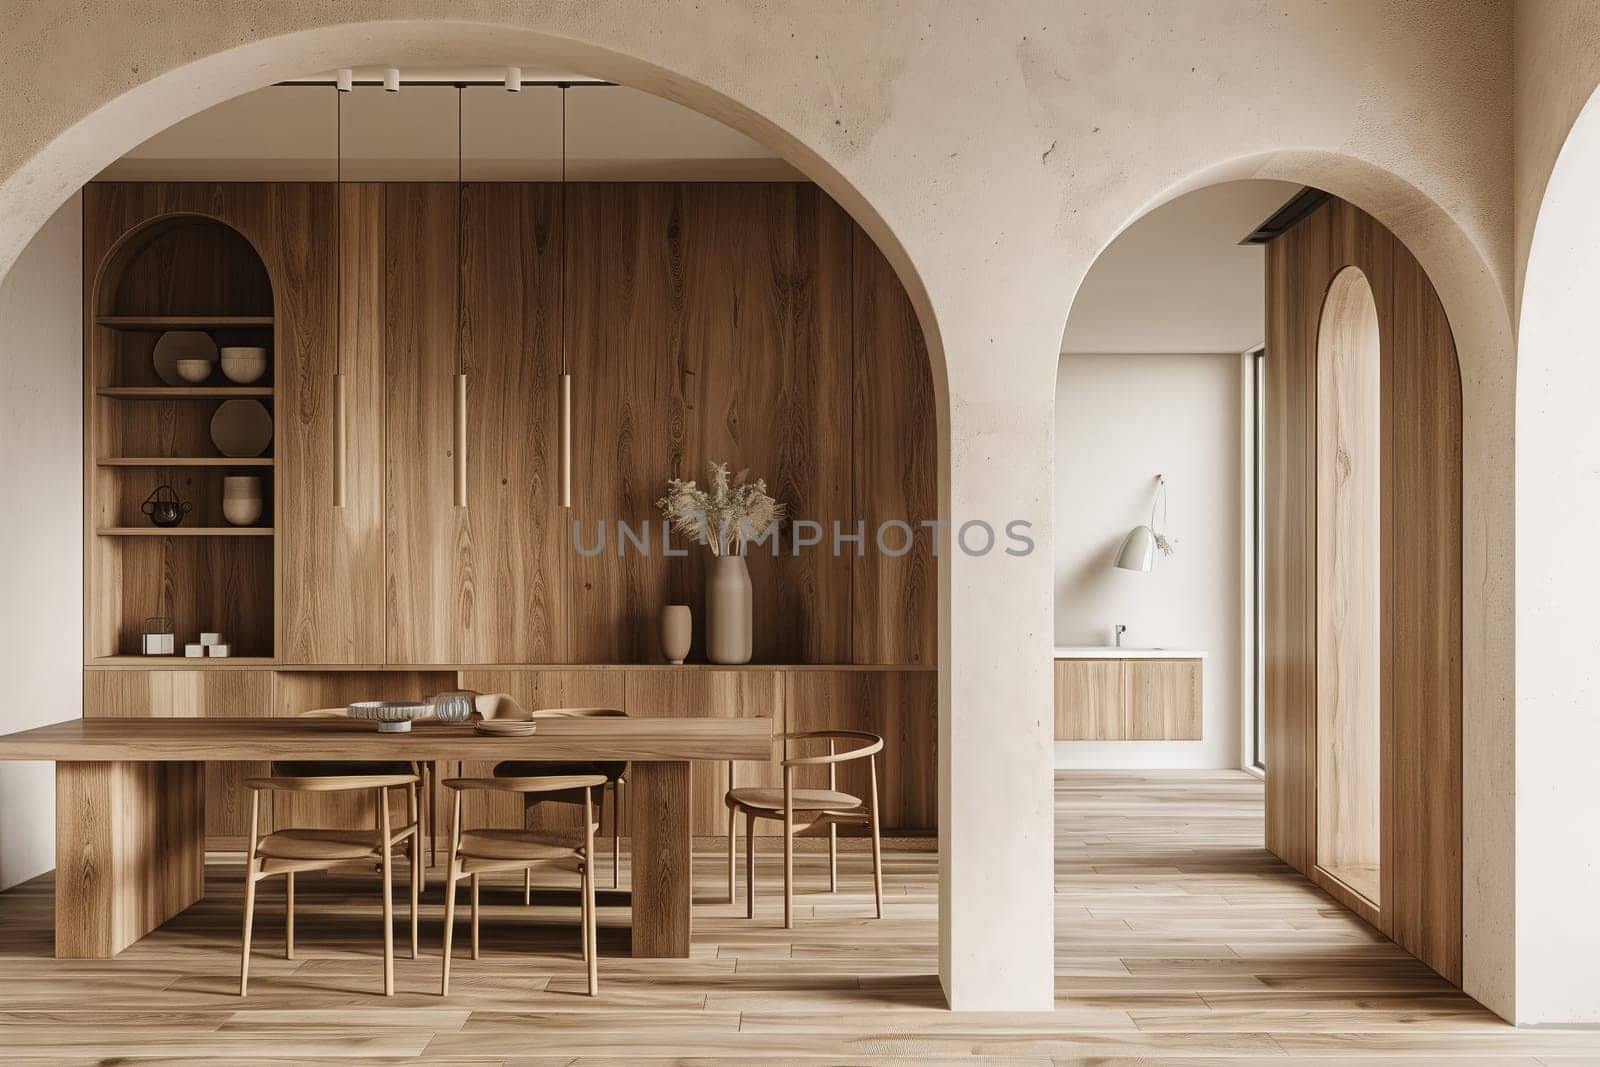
column 244, row 364
column 393, row 716
column 193, row 371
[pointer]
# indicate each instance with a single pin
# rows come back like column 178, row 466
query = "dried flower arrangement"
column 733, row 512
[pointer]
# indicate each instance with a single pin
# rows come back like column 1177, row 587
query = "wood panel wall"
column 709, row 322
column 746, row 322
column 1421, row 573
column 333, row 588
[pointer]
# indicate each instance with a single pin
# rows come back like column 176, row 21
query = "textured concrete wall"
column 1558, row 500
column 992, row 149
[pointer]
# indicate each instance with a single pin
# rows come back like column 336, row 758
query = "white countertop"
column 1126, row 652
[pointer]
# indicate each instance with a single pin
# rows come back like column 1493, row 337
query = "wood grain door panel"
column 1089, row 700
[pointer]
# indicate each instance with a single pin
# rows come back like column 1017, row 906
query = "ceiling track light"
column 391, row 79
column 513, row 79
column 344, row 80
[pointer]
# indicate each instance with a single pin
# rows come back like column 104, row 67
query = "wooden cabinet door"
column 1089, row 700
column 227, row 694
column 712, row 693
column 902, row 707
column 483, row 582
column 331, row 582
column 1161, row 700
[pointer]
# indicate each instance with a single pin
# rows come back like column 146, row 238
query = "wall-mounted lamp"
column 1138, row 551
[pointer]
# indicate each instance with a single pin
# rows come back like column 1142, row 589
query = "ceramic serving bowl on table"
column 392, row 716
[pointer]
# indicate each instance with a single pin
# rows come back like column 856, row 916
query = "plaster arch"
column 979, row 968
column 1558, row 494
column 1476, row 305
column 43, row 182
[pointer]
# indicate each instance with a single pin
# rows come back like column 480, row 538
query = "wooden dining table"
column 130, row 803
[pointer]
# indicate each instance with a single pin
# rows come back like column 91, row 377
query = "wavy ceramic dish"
column 392, row 716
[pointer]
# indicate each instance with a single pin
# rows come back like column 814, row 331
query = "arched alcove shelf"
column 147, row 429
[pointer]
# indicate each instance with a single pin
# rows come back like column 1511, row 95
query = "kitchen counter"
column 1125, row 652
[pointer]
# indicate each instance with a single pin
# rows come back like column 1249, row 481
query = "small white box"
column 194, row 651
column 210, row 639
column 158, row 644
column 218, row 651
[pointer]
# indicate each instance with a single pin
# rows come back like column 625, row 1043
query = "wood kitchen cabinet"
column 332, row 587
column 483, row 582
column 1128, row 699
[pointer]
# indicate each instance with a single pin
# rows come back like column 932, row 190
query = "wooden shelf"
column 178, row 662
column 182, row 392
column 184, row 322
column 186, row 531
column 183, row 461
column 181, row 663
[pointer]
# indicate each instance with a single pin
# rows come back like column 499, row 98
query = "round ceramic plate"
column 241, row 428
column 181, row 344
column 505, row 727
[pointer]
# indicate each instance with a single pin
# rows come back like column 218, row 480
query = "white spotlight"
column 344, row 79
column 513, row 79
column 391, row 79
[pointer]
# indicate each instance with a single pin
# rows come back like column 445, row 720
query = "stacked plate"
column 505, row 727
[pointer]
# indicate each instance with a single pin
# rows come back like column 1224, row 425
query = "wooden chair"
column 805, row 809
column 474, row 852
column 332, row 768
column 288, row 851
column 505, row 706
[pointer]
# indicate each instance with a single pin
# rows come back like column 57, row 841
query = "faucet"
column 1121, row 629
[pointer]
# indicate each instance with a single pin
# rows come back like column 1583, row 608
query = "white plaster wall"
column 1120, row 420
column 41, row 534
column 992, row 151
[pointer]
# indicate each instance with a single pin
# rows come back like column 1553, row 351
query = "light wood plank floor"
column 1178, row 939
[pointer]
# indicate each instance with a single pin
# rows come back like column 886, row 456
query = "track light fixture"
column 344, row 80
column 391, row 79
column 513, row 79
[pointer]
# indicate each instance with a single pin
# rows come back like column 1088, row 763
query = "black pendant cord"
column 564, row 223
column 565, row 380
column 338, row 225
column 461, row 213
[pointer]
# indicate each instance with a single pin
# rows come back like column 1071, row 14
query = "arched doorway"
column 1412, row 411
column 845, row 197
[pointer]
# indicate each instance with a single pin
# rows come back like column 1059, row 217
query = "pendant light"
column 343, row 83
column 566, row 378
column 460, row 443
column 1138, row 551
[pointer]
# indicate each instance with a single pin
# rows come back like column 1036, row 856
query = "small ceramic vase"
column 677, row 626
column 241, row 499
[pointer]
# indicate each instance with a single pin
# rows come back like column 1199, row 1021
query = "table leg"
column 662, row 858
column 130, row 851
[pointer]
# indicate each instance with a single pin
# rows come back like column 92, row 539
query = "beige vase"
column 677, row 630
column 728, row 611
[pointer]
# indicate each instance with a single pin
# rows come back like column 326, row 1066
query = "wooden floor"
column 1178, row 939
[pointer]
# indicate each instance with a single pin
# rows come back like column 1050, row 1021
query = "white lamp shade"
column 1138, row 551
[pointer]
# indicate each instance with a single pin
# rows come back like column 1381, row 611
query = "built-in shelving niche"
column 176, row 272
